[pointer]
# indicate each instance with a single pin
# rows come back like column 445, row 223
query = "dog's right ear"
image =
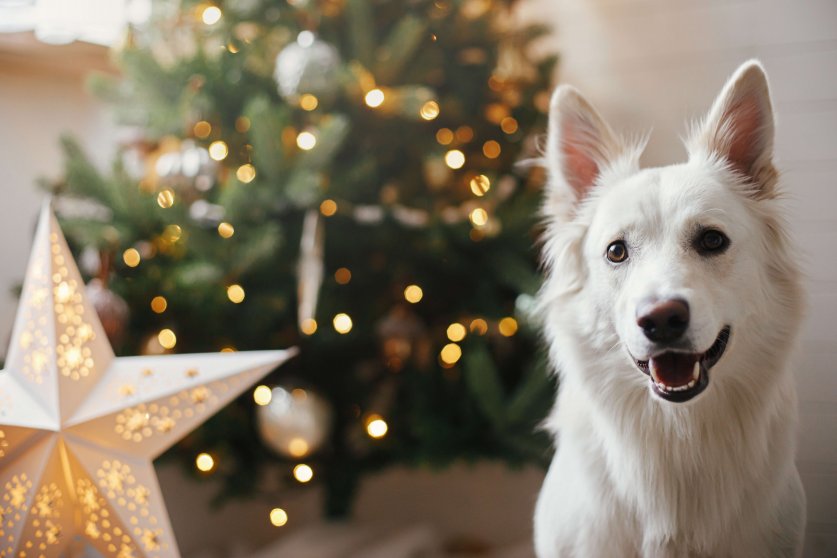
column 579, row 144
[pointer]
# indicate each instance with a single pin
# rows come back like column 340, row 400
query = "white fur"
column 635, row 475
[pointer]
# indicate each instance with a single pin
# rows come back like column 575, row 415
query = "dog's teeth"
column 696, row 371
column 691, row 384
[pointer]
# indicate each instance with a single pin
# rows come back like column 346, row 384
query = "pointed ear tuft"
column 579, row 142
column 739, row 127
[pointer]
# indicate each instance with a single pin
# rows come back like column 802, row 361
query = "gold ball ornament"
column 295, row 422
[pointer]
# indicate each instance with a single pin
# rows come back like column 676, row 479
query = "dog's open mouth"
column 677, row 376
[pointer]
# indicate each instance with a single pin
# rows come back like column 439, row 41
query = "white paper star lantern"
column 79, row 427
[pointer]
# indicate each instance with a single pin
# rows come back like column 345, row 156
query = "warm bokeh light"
column 308, row 326
column 478, row 217
column 456, row 332
column 131, row 257
column 455, row 159
column 444, row 136
column 159, row 304
column 328, row 208
column 342, row 323
column 413, row 294
column 246, row 173
column 167, row 338
column 202, row 129
column 374, row 98
column 480, row 185
column 218, row 150
column 507, row 326
column 429, row 110
column 479, row 326
column 306, row 141
column 298, row 447
column 450, row 354
column 376, row 426
column 165, row 198
column 226, row 230
column 204, row 462
column 235, row 293
column 308, row 102
column 508, row 125
column 343, row 276
column 211, row 15
column 491, row 149
column 303, row 473
column 278, row 517
column 242, row 124
column 172, row 233
column 262, row 395
column 464, row 134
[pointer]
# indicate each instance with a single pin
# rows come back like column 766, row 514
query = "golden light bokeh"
column 343, row 276
column 202, row 129
column 479, row 326
column 455, row 159
column 444, row 136
column 491, row 149
column 211, row 15
column 464, row 134
column 413, row 294
column 376, row 426
column 262, row 395
column 456, row 332
column 450, row 354
column 328, row 208
column 308, row 326
column 165, row 198
column 480, row 185
column 509, row 125
column 306, row 141
column 131, row 257
column 374, row 98
column 507, row 326
column 342, row 323
column 308, row 102
column 172, row 233
column 278, row 517
column 478, row 217
column 429, row 110
column 167, row 338
column 235, row 293
column 205, row 462
column 159, row 304
column 226, row 230
column 242, row 124
column 218, row 150
column 298, row 447
column 303, row 473
column 246, row 173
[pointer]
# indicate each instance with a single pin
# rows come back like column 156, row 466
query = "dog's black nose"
column 663, row 321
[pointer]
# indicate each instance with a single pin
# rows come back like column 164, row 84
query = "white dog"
column 671, row 303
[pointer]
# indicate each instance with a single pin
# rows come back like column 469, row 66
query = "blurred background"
column 354, row 177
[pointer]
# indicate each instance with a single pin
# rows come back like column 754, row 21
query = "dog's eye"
column 617, row 252
column 712, row 241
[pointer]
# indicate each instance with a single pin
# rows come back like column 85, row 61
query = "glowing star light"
column 79, row 427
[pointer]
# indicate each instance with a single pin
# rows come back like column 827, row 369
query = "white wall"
column 42, row 96
column 653, row 64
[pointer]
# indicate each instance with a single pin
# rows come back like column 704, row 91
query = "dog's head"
column 664, row 268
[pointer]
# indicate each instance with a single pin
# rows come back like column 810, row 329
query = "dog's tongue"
column 675, row 369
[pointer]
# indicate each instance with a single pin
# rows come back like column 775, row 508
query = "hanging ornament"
column 307, row 66
column 81, row 427
column 311, row 267
column 398, row 332
column 295, row 422
column 111, row 308
column 206, row 214
column 189, row 169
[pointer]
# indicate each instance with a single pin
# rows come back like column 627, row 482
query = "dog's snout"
column 663, row 321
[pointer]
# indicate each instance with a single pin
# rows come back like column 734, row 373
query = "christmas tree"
column 343, row 176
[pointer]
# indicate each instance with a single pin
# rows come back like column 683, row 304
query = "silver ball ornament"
column 190, row 167
column 294, row 423
column 307, row 65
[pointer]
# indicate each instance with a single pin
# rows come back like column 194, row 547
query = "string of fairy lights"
column 307, row 139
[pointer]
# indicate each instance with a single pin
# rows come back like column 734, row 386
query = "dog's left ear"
column 739, row 129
